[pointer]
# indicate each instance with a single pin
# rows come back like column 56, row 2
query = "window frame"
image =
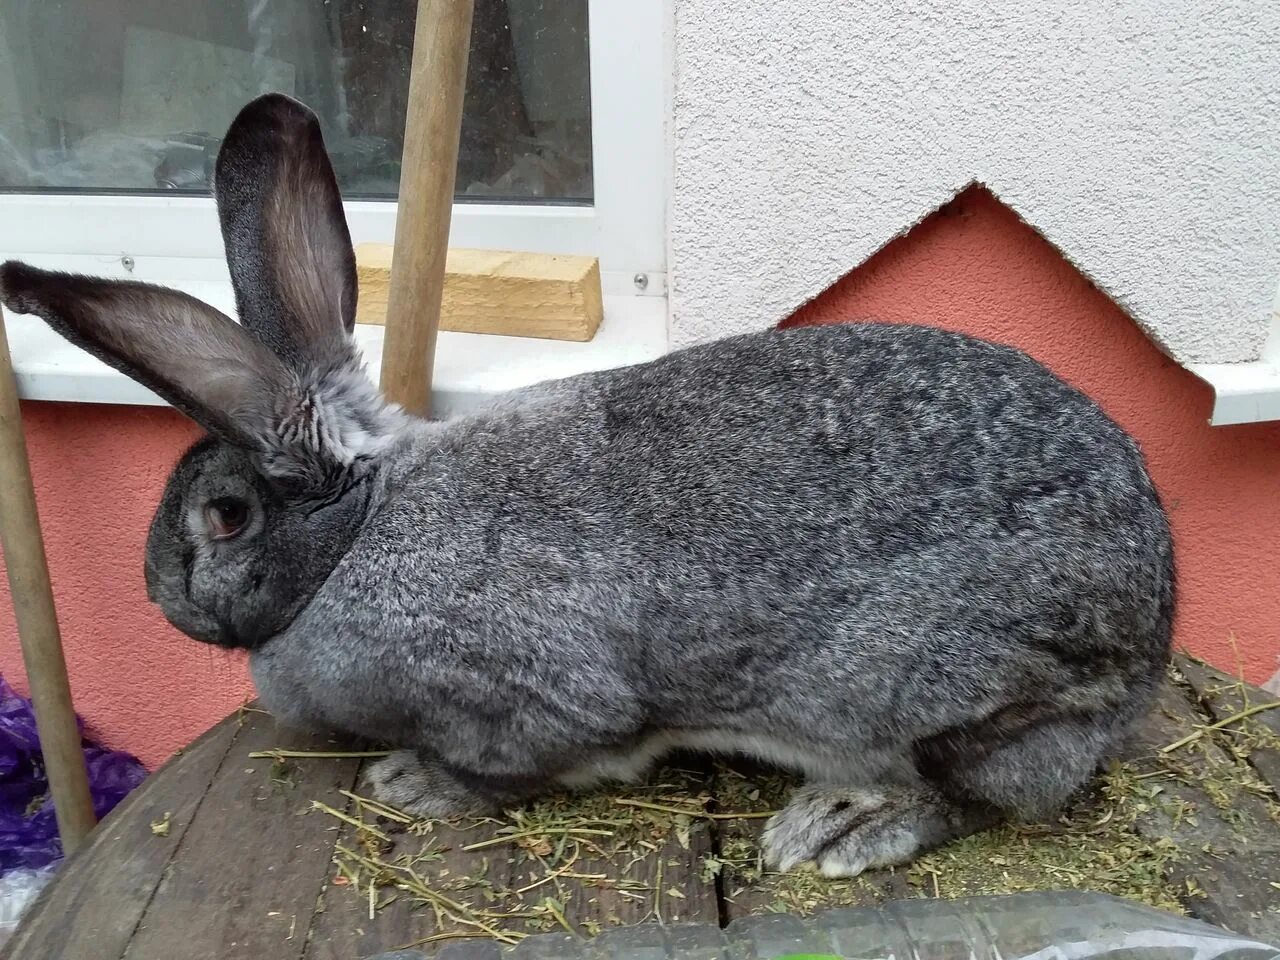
column 624, row 227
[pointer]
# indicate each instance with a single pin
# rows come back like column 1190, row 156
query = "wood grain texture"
column 93, row 909
column 37, row 620
column 244, row 868
column 601, row 890
column 1225, row 698
column 1226, row 827
column 342, row 930
column 433, row 128
column 1211, row 809
column 654, row 878
column 244, row 883
column 542, row 295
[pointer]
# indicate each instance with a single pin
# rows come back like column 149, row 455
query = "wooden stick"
column 32, row 595
column 428, row 168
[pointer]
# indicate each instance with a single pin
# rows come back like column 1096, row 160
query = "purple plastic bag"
column 28, row 828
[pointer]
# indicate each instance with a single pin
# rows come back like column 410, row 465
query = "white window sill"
column 470, row 368
column 1245, row 392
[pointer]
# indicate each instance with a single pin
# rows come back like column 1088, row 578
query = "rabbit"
column 913, row 566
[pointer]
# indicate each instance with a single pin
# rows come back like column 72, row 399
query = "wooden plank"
column 1219, row 802
column 636, row 884
column 594, row 881
column 1221, row 817
column 244, row 882
column 1235, row 891
column 1203, row 802
column 249, row 870
column 91, row 909
column 549, row 296
column 343, row 930
column 1226, row 697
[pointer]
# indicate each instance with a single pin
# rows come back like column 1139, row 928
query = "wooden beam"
column 433, row 128
column 551, row 296
column 33, row 609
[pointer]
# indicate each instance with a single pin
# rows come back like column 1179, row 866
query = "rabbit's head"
column 257, row 514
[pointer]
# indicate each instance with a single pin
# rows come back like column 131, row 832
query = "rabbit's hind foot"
column 843, row 831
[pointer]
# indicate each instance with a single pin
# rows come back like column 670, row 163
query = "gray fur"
column 914, row 565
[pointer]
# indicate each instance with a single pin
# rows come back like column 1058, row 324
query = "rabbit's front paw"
column 846, row 830
column 418, row 786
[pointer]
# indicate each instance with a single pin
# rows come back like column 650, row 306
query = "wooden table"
column 220, row 855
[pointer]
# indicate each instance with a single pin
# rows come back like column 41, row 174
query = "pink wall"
column 973, row 266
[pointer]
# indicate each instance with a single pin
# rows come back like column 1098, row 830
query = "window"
column 134, row 99
column 111, row 111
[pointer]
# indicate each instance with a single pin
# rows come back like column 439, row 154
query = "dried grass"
column 573, row 863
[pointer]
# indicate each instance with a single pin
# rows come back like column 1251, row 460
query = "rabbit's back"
column 805, row 449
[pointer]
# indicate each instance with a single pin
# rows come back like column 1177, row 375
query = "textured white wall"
column 1142, row 138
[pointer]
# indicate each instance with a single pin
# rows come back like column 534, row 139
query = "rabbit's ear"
column 286, row 237
column 186, row 351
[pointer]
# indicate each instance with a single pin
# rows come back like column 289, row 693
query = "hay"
column 528, row 872
column 507, row 878
column 1221, row 724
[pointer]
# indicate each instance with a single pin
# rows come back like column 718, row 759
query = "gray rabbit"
column 912, row 565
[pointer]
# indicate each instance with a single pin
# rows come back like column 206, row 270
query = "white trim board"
column 98, row 232
column 470, row 368
column 1245, row 392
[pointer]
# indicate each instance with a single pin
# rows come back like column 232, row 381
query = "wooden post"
column 37, row 621
column 433, row 128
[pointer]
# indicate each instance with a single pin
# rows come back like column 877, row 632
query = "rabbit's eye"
column 226, row 517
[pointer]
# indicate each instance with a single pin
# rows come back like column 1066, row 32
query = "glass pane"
column 132, row 95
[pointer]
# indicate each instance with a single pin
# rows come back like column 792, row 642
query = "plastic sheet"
column 28, row 826
column 1031, row 926
column 17, row 889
